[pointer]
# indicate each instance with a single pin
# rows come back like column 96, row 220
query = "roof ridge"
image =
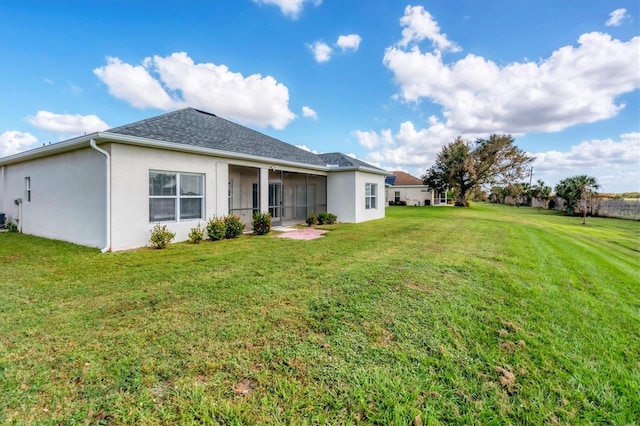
column 151, row 119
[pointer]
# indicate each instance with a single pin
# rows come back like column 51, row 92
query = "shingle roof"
column 343, row 160
column 190, row 126
column 403, row 179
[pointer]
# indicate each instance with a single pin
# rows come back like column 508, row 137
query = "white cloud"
column 321, row 51
column 574, row 85
column 290, row 8
column 67, row 123
column 309, row 113
column 306, row 148
column 419, row 25
column 616, row 17
column 615, row 164
column 349, row 42
column 12, row 142
column 408, row 146
column 135, row 84
column 593, row 154
column 175, row 81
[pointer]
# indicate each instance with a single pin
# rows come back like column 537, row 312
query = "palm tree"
column 541, row 192
column 576, row 192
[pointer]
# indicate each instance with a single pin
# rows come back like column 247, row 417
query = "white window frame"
column 370, row 196
column 27, row 189
column 177, row 197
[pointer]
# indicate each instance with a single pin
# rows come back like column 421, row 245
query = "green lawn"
column 486, row 315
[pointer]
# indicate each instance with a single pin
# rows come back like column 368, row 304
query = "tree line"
column 466, row 167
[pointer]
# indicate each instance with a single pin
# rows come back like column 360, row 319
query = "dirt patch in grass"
column 245, row 387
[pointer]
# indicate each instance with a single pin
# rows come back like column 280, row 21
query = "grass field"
column 486, row 315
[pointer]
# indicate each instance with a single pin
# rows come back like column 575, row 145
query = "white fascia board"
column 101, row 137
column 153, row 143
column 47, row 150
column 359, row 169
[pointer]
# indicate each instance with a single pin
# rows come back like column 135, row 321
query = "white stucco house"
column 403, row 188
column 108, row 189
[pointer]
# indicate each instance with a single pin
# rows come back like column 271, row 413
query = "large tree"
column 464, row 165
column 576, row 192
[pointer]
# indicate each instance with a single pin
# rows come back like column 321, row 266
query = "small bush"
column 234, row 226
column 196, row 235
column 312, row 219
column 261, row 223
column 216, row 228
column 12, row 227
column 322, row 218
column 325, row 218
column 161, row 236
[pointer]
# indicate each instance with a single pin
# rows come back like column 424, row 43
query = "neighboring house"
column 108, row 189
column 402, row 188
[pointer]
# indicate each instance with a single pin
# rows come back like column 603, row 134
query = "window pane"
column 367, row 189
column 162, row 209
column 190, row 184
column 373, row 189
column 191, row 208
column 162, row 183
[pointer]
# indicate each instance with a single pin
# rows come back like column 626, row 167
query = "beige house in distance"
column 405, row 189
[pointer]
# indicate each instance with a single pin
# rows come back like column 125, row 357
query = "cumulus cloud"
column 12, row 142
column 593, row 154
column 419, row 25
column 176, row 81
column 616, row 17
column 576, row 84
column 67, row 123
column 613, row 163
column 408, row 146
column 349, row 42
column 309, row 113
column 321, row 51
column 306, row 148
column 289, row 8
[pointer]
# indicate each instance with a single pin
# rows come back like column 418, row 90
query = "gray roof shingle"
column 190, row 126
column 343, row 160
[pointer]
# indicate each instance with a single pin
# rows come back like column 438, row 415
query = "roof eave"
column 173, row 146
column 47, row 150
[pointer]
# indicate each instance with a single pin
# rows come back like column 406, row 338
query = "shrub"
column 325, row 218
column 12, row 227
column 261, row 223
column 196, row 235
column 161, row 236
column 234, row 226
column 216, row 228
column 312, row 219
column 322, row 218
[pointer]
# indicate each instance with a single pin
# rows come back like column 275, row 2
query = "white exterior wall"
column 341, row 199
column 130, row 226
column 346, row 196
column 412, row 195
column 68, row 200
column 363, row 214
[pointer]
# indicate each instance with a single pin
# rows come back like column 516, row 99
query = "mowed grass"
column 486, row 315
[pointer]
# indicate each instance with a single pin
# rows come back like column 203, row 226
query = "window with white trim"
column 27, row 189
column 370, row 195
column 175, row 196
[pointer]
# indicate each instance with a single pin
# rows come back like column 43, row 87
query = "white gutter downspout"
column 107, row 162
column 2, row 192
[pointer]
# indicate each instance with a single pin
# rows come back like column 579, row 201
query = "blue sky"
column 387, row 81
